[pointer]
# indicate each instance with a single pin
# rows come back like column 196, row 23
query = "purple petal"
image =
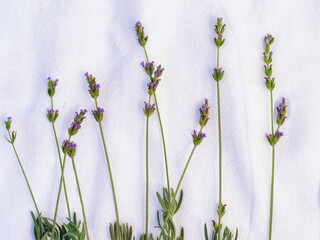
column 86, row 74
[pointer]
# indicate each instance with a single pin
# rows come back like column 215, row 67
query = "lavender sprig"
column 217, row 75
column 12, row 137
column 274, row 137
column 66, row 147
column 169, row 208
column 52, row 115
column 117, row 231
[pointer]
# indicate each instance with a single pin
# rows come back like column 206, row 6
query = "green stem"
column 145, row 51
column 272, row 188
column 59, row 192
column 220, row 150
column 147, row 174
column 109, row 167
column 272, row 177
column 25, row 176
column 58, row 148
column 82, row 205
column 184, row 172
column 164, row 145
column 178, row 187
column 64, row 183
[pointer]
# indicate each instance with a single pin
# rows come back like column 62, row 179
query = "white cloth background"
column 64, row 39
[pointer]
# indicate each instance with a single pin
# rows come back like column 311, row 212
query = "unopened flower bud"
column 140, row 33
column 198, row 137
column 8, row 123
column 52, row 84
column 52, row 115
column 66, row 146
column 204, row 113
column 98, row 114
column 72, row 149
column 148, row 109
column 282, row 111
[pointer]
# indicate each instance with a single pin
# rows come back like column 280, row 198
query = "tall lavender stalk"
column 275, row 136
column 218, row 74
column 52, row 115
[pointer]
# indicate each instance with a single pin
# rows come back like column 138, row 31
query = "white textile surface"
column 64, row 39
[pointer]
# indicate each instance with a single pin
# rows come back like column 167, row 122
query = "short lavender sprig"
column 52, row 115
column 197, row 139
column 11, row 140
column 73, row 129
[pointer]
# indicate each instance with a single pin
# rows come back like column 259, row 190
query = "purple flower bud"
column 280, row 134
column 194, row 133
column 9, row 118
column 283, row 99
column 86, row 74
column 68, row 143
column 76, row 125
column 203, row 135
column 85, row 110
column 92, row 112
column 101, row 110
column 97, row 86
column 54, row 85
column 142, row 63
column 267, row 40
column 271, row 53
column 57, row 110
column 73, row 145
column 64, row 142
column 162, row 69
column 138, row 23
column 267, row 135
column 156, row 73
column 49, row 78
